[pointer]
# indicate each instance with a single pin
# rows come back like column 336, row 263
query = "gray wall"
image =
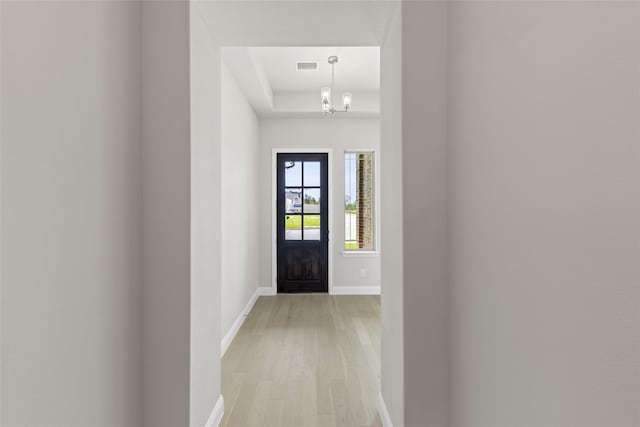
column 166, row 209
column 424, row 207
column 71, row 214
column 544, row 188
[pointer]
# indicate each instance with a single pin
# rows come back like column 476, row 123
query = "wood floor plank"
column 305, row 361
column 274, row 414
column 258, row 412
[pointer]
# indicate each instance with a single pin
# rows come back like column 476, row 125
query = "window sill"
column 360, row 254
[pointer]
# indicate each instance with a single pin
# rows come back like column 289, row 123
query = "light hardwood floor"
column 305, row 361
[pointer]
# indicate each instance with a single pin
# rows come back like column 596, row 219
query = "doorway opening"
column 309, row 235
column 274, row 116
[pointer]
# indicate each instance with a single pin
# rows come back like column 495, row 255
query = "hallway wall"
column 544, row 212
column 71, row 214
column 338, row 134
column 424, row 200
column 240, row 201
column 391, row 233
column 206, row 224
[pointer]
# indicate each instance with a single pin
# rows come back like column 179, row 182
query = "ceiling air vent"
column 307, row 65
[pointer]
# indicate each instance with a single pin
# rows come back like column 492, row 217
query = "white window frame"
column 364, row 253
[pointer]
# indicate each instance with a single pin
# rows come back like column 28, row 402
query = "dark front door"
column 303, row 230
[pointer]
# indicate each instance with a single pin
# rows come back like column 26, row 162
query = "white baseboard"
column 266, row 291
column 235, row 327
column 216, row 414
column 355, row 290
column 385, row 418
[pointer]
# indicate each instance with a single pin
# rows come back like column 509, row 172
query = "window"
column 302, row 200
column 359, row 201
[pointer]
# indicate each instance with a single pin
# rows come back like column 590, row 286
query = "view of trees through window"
column 358, row 200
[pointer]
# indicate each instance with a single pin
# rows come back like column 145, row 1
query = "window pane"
column 312, row 227
column 312, row 174
column 293, row 200
column 358, row 201
column 293, row 174
column 312, row 200
column 292, row 227
column 350, row 238
column 350, row 199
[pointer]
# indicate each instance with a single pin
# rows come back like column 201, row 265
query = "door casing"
column 274, row 211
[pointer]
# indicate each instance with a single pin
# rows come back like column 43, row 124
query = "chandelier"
column 325, row 94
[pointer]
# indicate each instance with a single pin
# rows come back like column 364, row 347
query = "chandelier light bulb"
column 325, row 94
column 346, row 100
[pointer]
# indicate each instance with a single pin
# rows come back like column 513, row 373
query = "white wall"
column 240, row 201
column 391, row 235
column 206, row 247
column 545, row 213
column 71, row 214
column 339, row 135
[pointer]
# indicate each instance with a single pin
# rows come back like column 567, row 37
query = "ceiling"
column 269, row 78
column 357, row 69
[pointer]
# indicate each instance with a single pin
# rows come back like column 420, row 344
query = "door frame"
column 274, row 211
